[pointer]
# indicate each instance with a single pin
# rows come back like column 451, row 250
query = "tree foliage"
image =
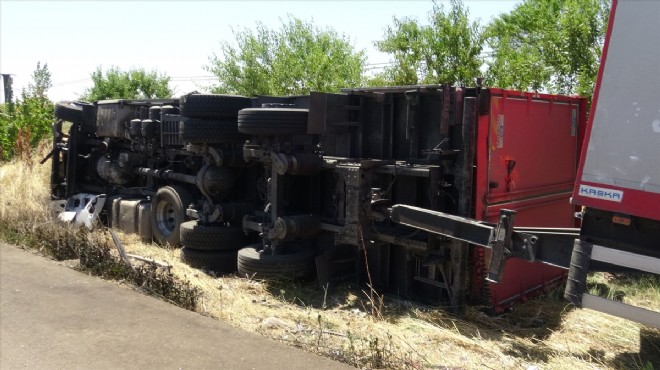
column 41, row 82
column 295, row 59
column 26, row 121
column 548, row 45
column 135, row 83
column 445, row 51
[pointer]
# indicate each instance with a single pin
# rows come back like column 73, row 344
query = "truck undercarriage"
column 416, row 187
column 297, row 185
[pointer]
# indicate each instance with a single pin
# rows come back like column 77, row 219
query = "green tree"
column 548, row 45
column 132, row 84
column 41, row 82
column 295, row 59
column 31, row 117
column 445, row 51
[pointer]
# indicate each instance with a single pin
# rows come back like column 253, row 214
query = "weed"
column 375, row 299
column 97, row 258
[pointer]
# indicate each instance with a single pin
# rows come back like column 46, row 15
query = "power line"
column 173, row 79
column 65, row 83
column 194, row 78
column 368, row 67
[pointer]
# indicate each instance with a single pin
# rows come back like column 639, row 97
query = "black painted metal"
column 501, row 245
column 71, row 161
column 640, row 236
column 550, row 246
column 58, row 167
column 456, row 227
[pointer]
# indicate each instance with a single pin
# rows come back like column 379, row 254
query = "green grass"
column 637, row 289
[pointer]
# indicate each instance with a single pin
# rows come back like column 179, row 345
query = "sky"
column 176, row 37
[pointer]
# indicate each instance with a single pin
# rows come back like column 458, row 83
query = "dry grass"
column 543, row 332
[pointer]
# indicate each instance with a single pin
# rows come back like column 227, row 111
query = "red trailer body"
column 525, row 156
column 526, row 160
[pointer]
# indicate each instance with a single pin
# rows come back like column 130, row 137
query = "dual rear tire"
column 219, row 249
column 211, row 247
column 253, row 263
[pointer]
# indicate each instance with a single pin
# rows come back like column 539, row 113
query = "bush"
column 23, row 124
column 26, row 121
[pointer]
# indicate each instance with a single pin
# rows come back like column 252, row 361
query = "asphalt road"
column 53, row 317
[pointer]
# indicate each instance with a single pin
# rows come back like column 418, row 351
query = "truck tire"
column 210, row 238
column 197, row 105
column 168, row 212
column 197, row 131
column 218, row 261
column 69, row 111
column 296, row 265
column 273, row 121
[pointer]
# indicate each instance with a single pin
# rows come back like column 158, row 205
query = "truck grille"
column 170, row 130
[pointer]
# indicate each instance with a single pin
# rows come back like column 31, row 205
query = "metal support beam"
column 549, row 246
column 576, row 286
column 558, row 247
column 618, row 309
column 626, row 259
column 453, row 226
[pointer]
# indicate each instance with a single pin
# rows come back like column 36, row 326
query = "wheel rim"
column 165, row 217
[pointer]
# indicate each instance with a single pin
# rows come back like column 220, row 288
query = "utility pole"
column 9, row 93
column 7, row 82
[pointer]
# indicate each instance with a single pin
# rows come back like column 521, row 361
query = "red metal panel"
column 548, row 211
column 533, row 95
column 533, row 143
column 526, row 159
column 523, row 280
column 634, row 202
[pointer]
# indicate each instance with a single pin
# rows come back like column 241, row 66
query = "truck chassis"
column 372, row 182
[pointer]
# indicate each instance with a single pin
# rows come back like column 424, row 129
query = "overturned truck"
column 329, row 185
